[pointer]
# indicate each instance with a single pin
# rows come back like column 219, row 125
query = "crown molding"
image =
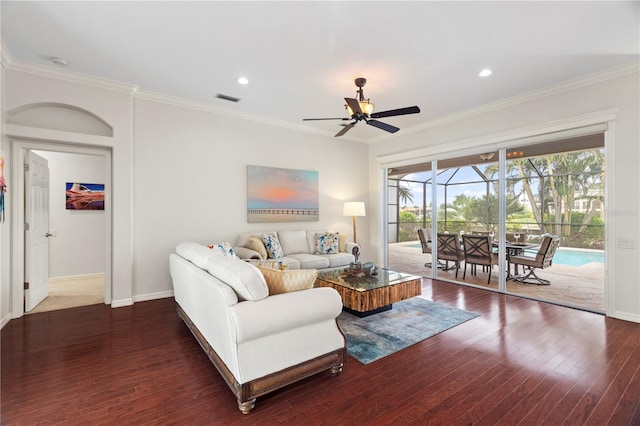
column 73, row 77
column 587, row 80
column 10, row 63
column 134, row 90
column 45, row 71
column 205, row 107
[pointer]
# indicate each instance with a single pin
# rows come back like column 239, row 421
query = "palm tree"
column 405, row 195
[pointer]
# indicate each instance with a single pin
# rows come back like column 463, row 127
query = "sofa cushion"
column 326, row 243
column 256, row 244
column 310, row 261
column 293, row 242
column 223, row 248
column 245, row 279
column 285, row 281
column 195, row 253
column 272, row 245
column 338, row 259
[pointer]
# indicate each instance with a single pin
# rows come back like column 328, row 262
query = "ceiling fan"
column 361, row 109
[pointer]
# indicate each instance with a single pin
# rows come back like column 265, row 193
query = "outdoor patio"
column 576, row 286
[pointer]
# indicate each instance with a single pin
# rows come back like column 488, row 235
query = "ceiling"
column 301, row 57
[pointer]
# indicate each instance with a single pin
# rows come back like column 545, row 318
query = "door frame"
column 596, row 122
column 19, row 149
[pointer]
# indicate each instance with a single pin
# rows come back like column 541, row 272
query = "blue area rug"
column 409, row 322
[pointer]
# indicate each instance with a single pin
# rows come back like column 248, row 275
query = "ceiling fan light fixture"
column 365, row 106
column 487, row 156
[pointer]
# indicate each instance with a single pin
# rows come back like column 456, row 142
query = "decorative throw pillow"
column 327, row 243
column 223, row 248
column 289, row 280
column 342, row 243
column 272, row 245
column 256, row 244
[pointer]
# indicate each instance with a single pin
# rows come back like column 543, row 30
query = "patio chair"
column 449, row 250
column 540, row 260
column 425, row 241
column 510, row 237
column 478, row 251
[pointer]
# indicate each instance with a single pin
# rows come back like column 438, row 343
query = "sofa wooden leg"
column 246, row 406
column 336, row 370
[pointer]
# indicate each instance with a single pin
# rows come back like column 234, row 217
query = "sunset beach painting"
column 281, row 195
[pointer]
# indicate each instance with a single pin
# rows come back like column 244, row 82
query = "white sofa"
column 299, row 250
column 257, row 342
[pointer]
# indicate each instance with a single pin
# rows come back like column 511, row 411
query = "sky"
column 465, row 174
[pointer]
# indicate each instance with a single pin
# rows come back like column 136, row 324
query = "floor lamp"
column 354, row 208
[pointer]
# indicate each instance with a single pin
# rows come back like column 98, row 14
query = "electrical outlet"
column 626, row 243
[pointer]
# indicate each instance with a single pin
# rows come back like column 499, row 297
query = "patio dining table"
column 513, row 249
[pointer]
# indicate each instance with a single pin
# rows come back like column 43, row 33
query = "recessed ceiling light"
column 243, row 80
column 60, row 61
column 485, row 72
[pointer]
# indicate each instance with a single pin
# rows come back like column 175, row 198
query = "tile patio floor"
column 576, row 286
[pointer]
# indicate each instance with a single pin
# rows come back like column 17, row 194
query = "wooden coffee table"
column 366, row 295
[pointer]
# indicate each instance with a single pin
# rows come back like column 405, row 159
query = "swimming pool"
column 567, row 256
column 571, row 257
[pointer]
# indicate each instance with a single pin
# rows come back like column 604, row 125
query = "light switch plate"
column 626, row 243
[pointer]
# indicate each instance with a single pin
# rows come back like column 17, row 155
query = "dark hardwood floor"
column 520, row 362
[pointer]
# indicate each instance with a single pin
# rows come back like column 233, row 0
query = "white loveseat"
column 299, row 247
column 257, row 342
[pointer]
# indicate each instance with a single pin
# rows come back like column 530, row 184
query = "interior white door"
column 37, row 232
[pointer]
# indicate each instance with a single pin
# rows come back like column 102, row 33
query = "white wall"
column 78, row 247
column 190, row 183
column 112, row 103
column 622, row 94
column 179, row 173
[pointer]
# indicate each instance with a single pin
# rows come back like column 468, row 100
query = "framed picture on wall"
column 281, row 195
column 85, row 196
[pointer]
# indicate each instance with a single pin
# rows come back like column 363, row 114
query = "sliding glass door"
column 541, row 192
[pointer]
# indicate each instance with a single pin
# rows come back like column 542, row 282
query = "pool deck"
column 576, row 286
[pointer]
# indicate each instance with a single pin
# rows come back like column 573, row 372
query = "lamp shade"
column 353, row 208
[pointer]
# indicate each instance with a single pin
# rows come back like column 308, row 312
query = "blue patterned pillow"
column 272, row 245
column 224, row 248
column 327, row 243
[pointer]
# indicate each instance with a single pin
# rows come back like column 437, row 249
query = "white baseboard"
column 141, row 298
column 121, row 302
column 99, row 275
column 153, row 296
column 625, row 316
column 5, row 320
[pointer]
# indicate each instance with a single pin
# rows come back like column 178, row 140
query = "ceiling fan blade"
column 317, row 119
column 354, row 105
column 345, row 130
column 384, row 126
column 393, row 112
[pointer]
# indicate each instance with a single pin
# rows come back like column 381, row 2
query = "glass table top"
column 363, row 282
